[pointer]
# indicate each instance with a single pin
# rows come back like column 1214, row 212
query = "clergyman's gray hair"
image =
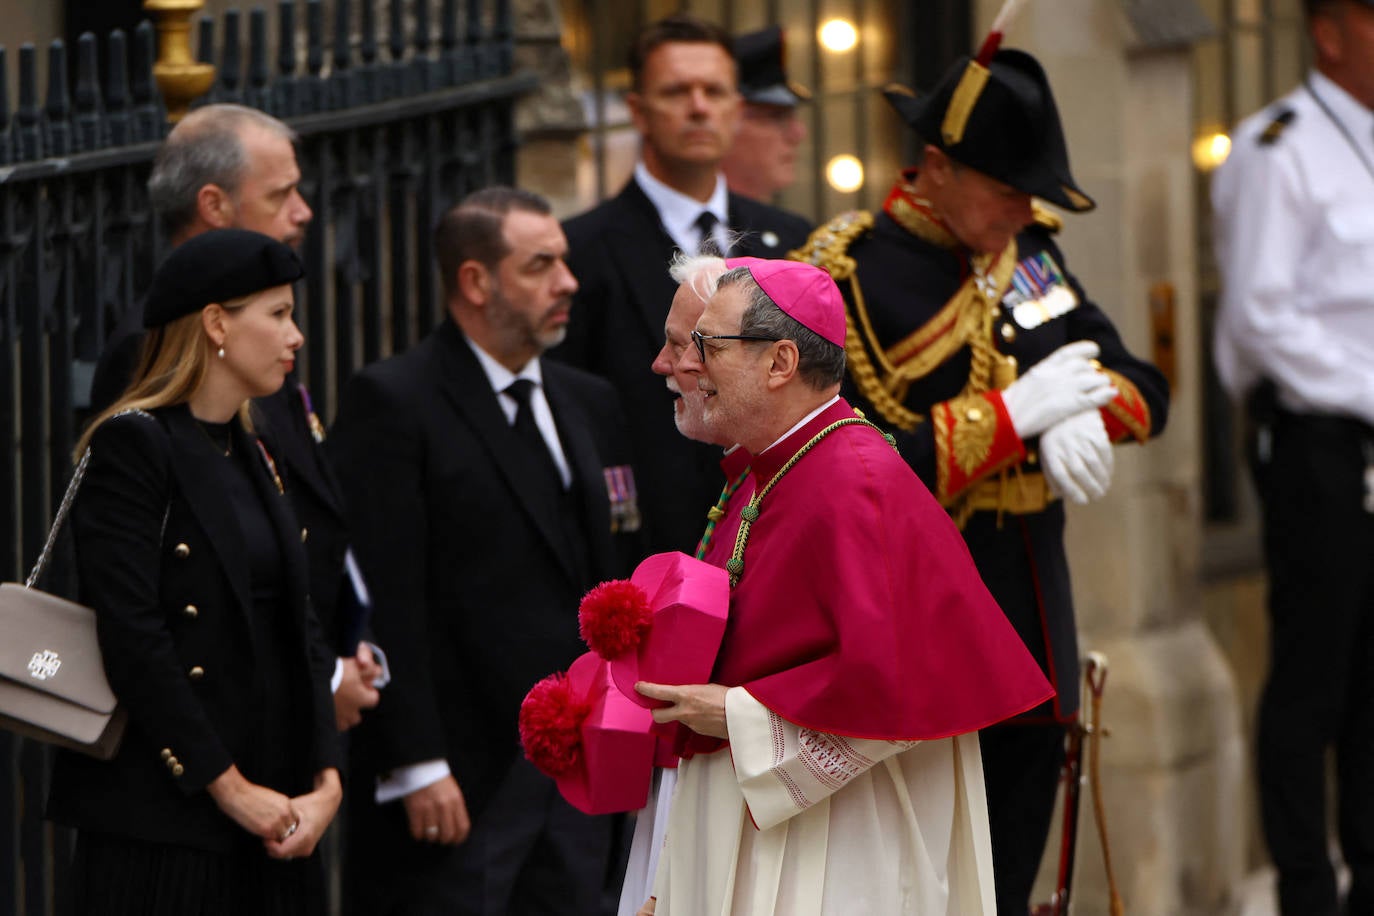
column 820, row 363
column 699, row 271
column 206, row 147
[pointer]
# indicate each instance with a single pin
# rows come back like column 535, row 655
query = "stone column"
column 1172, row 770
column 551, row 118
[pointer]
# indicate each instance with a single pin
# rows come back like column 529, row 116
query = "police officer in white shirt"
column 1294, row 210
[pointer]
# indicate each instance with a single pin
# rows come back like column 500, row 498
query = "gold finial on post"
column 179, row 75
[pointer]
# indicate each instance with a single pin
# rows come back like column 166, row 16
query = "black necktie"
column 706, row 224
column 528, row 430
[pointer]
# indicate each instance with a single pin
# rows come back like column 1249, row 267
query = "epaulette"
column 828, row 245
column 1270, row 135
column 1044, row 216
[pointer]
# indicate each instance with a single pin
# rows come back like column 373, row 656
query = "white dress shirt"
column 1295, row 243
column 679, row 213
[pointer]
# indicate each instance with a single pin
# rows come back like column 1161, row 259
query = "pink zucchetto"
column 804, row 291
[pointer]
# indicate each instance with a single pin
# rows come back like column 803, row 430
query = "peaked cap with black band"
column 217, row 266
column 1001, row 120
column 762, row 60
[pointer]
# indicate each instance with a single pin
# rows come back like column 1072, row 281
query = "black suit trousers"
column 1318, row 541
column 530, row 853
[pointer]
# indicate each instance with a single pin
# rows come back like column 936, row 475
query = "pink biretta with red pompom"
column 588, row 729
column 662, row 625
column 578, row 729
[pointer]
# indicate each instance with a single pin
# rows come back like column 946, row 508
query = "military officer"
column 1004, row 384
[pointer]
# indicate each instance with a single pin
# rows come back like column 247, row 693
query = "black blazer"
column 315, row 495
column 164, row 564
column 282, row 422
column 474, row 592
column 619, row 252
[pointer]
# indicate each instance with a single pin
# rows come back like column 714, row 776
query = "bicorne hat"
column 1001, row 120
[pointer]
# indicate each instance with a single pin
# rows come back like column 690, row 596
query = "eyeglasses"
column 700, row 339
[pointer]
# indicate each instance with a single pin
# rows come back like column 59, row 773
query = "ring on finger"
column 432, row 831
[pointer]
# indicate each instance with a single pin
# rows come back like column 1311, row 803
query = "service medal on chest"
column 1039, row 292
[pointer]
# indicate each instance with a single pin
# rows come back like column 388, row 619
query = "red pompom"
column 615, row 617
column 551, row 718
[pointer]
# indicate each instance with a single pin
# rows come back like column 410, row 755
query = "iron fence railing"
column 393, row 128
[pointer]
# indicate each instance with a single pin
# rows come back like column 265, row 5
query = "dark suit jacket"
column 474, row 593
column 115, row 367
column 315, row 495
column 163, row 561
column 619, row 253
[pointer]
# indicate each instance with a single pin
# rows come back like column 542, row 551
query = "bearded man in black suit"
column 685, row 103
column 475, row 475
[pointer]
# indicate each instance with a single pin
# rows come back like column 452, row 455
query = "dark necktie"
column 528, row 430
column 706, row 223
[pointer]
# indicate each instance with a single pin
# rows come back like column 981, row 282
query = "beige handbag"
column 52, row 679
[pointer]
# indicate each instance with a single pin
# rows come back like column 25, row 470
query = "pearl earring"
column 220, row 354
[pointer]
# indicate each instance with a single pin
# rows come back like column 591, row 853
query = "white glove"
column 1060, row 385
column 1076, row 456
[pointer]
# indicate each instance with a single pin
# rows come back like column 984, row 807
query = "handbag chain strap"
column 41, row 565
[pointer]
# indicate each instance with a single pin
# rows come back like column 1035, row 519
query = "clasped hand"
column 1065, row 383
column 1076, row 456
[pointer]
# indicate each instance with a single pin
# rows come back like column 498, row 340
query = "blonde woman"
column 190, row 555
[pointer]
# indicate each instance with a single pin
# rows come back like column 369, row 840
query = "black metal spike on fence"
column 473, row 36
column 312, row 98
column 205, row 39
column 58, row 110
column 340, row 77
column 117, row 89
column 284, row 87
column 420, row 64
column 368, row 69
column 88, row 118
column 451, row 57
column 396, row 45
column 503, row 38
column 30, row 139
column 258, row 93
column 230, row 86
column 6, row 134
column 149, row 118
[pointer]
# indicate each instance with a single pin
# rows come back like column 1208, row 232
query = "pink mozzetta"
column 858, row 610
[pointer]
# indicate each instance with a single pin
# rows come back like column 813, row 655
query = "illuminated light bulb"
column 838, row 35
column 845, row 173
column 1211, row 150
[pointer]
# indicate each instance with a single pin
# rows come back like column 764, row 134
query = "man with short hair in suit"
column 477, row 475
column 685, row 103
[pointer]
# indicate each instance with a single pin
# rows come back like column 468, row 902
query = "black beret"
column 762, row 72
column 1002, row 121
column 217, row 266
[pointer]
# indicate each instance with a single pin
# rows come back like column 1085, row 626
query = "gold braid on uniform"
column 828, row 248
